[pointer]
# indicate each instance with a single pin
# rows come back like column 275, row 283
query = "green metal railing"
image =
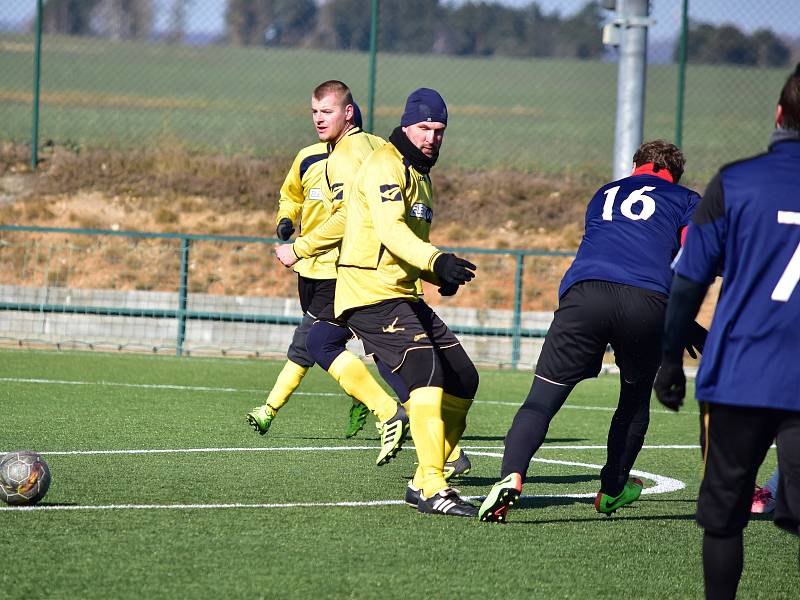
column 182, row 313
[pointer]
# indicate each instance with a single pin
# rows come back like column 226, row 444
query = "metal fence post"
column 681, row 73
column 373, row 51
column 37, row 69
column 183, row 295
column 633, row 18
column 516, row 326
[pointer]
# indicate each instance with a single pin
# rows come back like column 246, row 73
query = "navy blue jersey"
column 633, row 232
column 748, row 225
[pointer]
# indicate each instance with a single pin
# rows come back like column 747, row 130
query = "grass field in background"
column 541, row 115
column 283, row 528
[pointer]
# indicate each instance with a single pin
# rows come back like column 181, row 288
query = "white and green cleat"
column 358, row 418
column 393, row 434
column 503, row 494
column 260, row 418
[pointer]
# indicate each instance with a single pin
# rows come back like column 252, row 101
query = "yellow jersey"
column 386, row 249
column 303, row 201
column 344, row 160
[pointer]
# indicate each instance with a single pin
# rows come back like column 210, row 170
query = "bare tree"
column 122, row 19
column 177, row 21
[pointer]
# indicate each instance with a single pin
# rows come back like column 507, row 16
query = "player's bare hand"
column 286, row 255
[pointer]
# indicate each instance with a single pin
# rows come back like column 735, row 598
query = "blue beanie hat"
column 424, row 104
column 357, row 121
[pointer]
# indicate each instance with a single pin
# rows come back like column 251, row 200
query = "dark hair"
column 334, row 86
column 663, row 155
column 790, row 101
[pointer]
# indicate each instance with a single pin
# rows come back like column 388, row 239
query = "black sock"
column 530, row 424
column 723, row 559
column 626, row 435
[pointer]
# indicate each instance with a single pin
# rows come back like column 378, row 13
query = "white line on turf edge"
column 192, row 388
column 663, row 486
column 328, row 449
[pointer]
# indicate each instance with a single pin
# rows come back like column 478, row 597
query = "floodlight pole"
column 632, row 20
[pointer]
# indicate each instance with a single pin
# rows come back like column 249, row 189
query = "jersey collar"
column 647, row 169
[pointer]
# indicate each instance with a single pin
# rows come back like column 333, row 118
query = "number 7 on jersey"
column 791, row 275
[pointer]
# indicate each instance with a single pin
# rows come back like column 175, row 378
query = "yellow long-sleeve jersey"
column 344, row 160
column 303, row 200
column 386, row 249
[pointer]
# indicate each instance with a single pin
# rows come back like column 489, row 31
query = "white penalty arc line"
column 230, row 390
column 663, row 486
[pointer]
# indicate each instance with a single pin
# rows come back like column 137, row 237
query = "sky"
column 782, row 16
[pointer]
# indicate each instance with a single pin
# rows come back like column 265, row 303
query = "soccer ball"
column 24, row 477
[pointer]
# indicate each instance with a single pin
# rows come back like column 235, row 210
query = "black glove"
column 670, row 385
column 697, row 339
column 448, row 289
column 453, row 270
column 285, row 229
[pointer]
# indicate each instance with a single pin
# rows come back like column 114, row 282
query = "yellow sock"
column 424, row 408
column 289, row 378
column 454, row 415
column 352, row 374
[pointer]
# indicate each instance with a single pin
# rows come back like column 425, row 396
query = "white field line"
column 663, row 484
column 194, row 388
column 198, row 506
column 327, row 449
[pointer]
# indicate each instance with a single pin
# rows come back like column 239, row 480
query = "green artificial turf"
column 244, row 516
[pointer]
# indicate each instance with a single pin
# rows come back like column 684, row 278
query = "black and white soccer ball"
column 24, row 477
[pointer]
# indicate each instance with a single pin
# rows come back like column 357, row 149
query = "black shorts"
column 735, row 443
column 593, row 314
column 316, row 297
column 392, row 328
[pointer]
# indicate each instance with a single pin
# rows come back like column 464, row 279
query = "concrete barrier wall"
column 214, row 337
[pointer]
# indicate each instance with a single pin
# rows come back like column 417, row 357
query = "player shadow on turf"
column 555, row 479
column 628, row 512
column 500, row 438
column 543, row 502
column 761, row 516
column 595, row 517
column 370, row 437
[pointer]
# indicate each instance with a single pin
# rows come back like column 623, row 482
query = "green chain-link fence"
column 529, row 84
column 196, row 294
column 530, row 88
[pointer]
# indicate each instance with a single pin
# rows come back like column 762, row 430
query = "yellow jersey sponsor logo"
column 420, row 336
column 391, row 327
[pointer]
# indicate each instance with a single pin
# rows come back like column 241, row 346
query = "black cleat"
column 412, row 494
column 446, row 502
